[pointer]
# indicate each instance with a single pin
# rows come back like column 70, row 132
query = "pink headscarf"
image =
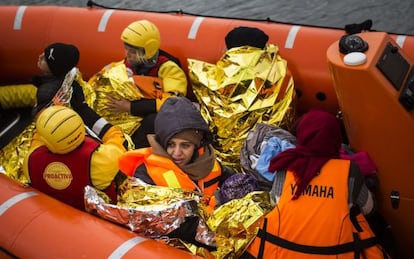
column 318, row 139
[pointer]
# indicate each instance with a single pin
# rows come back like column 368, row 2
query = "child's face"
column 42, row 64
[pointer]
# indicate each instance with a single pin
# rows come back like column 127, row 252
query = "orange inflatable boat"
column 96, row 31
column 33, row 225
column 373, row 91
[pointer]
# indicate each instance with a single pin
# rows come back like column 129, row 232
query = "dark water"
column 394, row 16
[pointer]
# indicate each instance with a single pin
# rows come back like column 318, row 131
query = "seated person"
column 249, row 84
column 63, row 160
column 144, row 58
column 58, row 83
column 320, row 199
column 56, row 63
column 180, row 156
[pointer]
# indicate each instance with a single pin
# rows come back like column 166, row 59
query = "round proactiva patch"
column 57, row 175
column 355, row 58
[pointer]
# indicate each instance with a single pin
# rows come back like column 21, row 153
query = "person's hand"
column 118, row 105
column 78, row 98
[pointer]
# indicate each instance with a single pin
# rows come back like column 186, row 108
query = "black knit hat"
column 246, row 36
column 61, row 58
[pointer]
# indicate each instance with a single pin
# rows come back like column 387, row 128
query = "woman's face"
column 180, row 150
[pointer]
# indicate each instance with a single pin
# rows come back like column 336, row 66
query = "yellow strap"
column 171, row 179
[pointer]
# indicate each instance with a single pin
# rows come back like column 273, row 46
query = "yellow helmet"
column 142, row 34
column 61, row 128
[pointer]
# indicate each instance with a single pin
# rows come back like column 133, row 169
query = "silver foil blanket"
column 151, row 211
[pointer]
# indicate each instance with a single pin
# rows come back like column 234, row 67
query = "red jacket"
column 64, row 177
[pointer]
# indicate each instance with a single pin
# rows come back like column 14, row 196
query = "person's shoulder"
column 169, row 57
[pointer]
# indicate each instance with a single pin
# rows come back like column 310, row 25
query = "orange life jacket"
column 325, row 229
column 164, row 172
column 150, row 87
column 150, row 84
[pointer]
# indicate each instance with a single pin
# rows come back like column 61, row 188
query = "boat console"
column 407, row 93
column 395, row 68
column 375, row 91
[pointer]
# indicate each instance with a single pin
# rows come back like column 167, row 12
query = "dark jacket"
column 47, row 87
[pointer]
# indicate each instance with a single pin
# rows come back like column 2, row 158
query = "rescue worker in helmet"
column 144, row 59
column 62, row 160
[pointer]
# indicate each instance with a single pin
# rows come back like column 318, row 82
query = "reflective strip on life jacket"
column 171, row 179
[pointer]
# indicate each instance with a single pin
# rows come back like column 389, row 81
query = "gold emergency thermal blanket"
column 246, row 86
column 155, row 211
column 114, row 81
column 13, row 154
column 237, row 222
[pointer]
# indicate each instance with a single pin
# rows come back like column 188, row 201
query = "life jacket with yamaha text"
column 326, row 227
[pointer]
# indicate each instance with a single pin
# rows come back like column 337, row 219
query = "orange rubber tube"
column 97, row 31
column 34, row 225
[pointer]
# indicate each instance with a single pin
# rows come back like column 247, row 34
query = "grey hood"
column 178, row 114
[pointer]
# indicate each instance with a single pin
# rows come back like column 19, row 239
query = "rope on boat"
column 91, row 4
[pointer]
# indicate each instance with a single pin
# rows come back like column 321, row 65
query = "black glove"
column 143, row 107
column 187, row 231
column 78, row 98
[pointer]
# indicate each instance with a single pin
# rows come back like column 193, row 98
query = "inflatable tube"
column 376, row 100
column 96, row 32
column 33, row 225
